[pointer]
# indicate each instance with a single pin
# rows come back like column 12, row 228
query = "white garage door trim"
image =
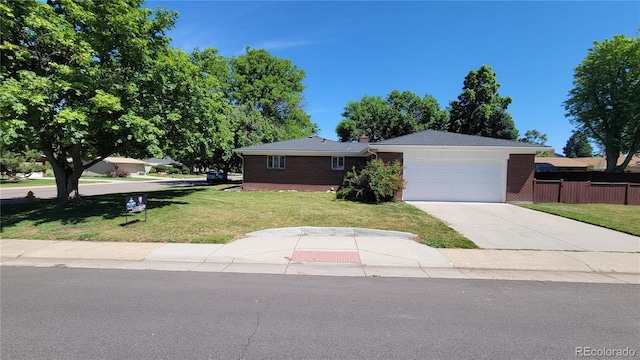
column 455, row 176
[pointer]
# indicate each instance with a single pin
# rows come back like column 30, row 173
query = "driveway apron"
column 506, row 226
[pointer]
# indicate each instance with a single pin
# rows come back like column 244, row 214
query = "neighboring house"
column 553, row 163
column 133, row 166
column 166, row 161
column 438, row 166
column 599, row 163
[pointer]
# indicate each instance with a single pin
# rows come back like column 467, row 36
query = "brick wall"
column 520, row 174
column 301, row 173
column 390, row 156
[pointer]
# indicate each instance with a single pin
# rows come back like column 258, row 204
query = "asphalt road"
column 53, row 313
column 12, row 195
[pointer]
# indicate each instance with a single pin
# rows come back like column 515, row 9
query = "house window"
column 275, row 162
column 337, row 163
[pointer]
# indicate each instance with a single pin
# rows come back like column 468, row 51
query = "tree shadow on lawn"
column 108, row 207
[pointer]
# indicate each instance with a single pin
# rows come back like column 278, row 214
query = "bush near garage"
column 377, row 182
column 161, row 168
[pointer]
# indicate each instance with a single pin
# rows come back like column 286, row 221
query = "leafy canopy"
column 264, row 103
column 534, row 136
column 578, row 146
column 400, row 113
column 72, row 81
column 603, row 103
column 480, row 110
column 82, row 80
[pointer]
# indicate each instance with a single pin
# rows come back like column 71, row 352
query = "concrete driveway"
column 505, row 226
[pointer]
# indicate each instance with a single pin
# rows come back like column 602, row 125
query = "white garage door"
column 433, row 180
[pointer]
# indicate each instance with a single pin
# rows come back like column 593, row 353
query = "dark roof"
column 442, row 138
column 310, row 143
column 165, row 161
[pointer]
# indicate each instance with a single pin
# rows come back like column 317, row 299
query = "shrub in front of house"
column 377, row 182
column 117, row 172
column 161, row 168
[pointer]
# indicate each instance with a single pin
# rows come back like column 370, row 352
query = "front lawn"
column 208, row 215
column 624, row 218
column 10, row 183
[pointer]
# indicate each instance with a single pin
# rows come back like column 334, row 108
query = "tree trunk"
column 625, row 163
column 611, row 153
column 67, row 176
column 227, row 167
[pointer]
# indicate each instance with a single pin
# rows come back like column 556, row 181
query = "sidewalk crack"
column 581, row 262
column 295, row 247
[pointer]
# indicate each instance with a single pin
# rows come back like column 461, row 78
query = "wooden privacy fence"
column 586, row 192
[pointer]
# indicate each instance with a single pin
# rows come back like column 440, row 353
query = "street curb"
column 331, row 269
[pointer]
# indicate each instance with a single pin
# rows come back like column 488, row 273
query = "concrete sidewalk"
column 329, row 251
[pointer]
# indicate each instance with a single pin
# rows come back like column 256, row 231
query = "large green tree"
column 534, row 136
column 72, row 81
column 480, row 109
column 604, row 103
column 189, row 96
column 264, row 103
column 578, row 146
column 272, row 86
column 367, row 116
column 400, row 113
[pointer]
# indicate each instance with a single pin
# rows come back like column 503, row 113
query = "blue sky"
column 349, row 49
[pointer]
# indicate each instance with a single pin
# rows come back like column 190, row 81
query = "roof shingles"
column 311, row 144
column 442, row 138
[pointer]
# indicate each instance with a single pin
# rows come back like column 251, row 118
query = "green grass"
column 624, row 218
column 208, row 215
column 6, row 183
column 180, row 176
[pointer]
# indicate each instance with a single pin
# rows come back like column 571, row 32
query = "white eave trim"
column 301, row 153
column 502, row 149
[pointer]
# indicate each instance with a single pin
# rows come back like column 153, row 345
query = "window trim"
column 278, row 160
column 335, row 159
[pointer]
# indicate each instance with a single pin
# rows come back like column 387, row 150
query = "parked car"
column 545, row 167
column 214, row 176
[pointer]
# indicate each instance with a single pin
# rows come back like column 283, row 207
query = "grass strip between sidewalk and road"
column 623, row 218
column 5, row 183
column 208, row 215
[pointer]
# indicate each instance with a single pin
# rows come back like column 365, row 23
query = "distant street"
column 9, row 195
column 50, row 313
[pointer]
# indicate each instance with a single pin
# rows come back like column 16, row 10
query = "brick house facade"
column 468, row 168
column 300, row 173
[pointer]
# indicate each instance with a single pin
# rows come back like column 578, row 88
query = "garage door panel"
column 455, row 180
